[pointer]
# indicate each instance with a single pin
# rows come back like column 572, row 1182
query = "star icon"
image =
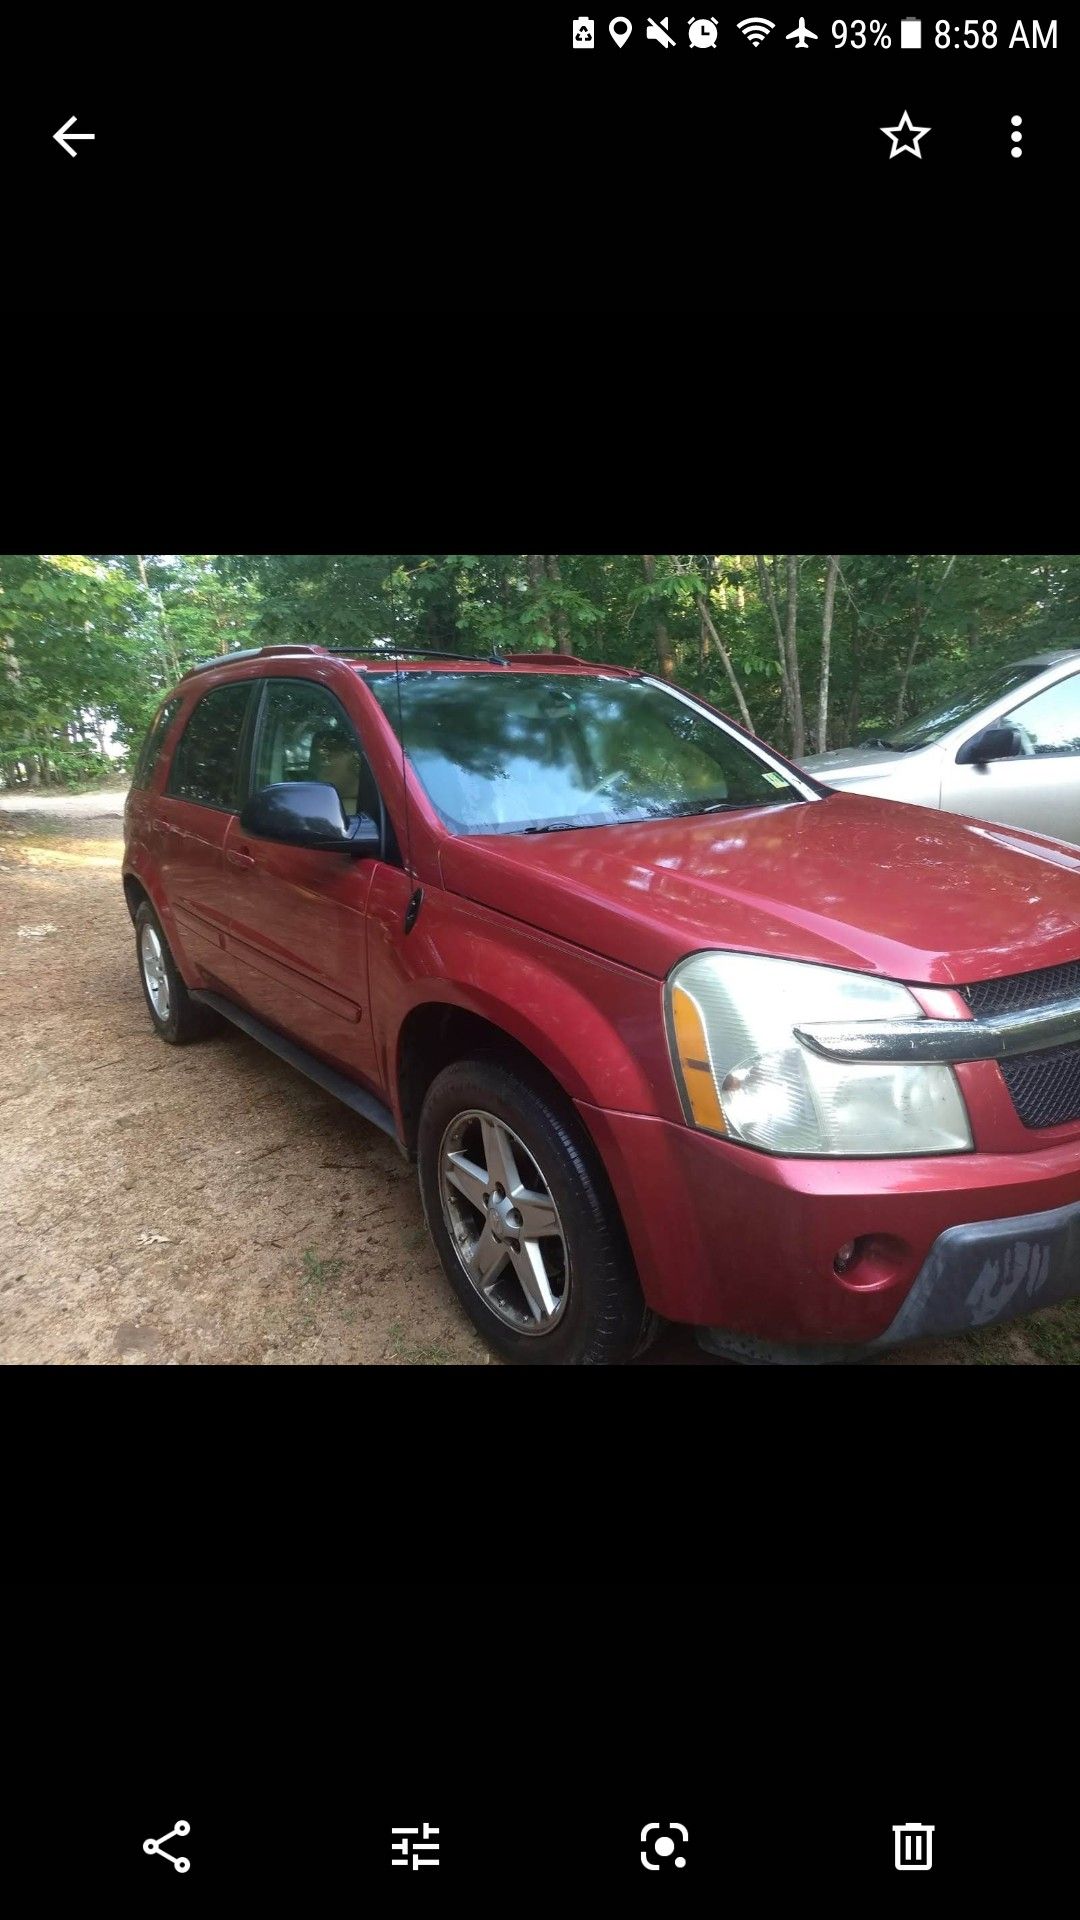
column 904, row 124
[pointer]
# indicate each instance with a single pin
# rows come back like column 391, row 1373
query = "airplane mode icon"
column 802, row 33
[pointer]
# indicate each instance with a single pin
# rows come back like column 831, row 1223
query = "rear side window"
column 206, row 764
column 150, row 751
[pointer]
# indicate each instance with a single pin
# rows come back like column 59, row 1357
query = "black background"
column 539, row 1726
column 472, row 161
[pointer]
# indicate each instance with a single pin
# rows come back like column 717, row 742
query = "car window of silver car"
column 1049, row 723
column 970, row 699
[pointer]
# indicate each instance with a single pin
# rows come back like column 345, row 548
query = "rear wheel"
column 176, row 1017
column 522, row 1218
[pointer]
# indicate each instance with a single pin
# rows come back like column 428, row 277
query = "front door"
column 1040, row 788
column 297, row 926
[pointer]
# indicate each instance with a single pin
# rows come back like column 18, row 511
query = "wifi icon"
column 756, row 30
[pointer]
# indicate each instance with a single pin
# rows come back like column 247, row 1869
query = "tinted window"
column 150, row 751
column 976, row 693
column 206, row 764
column 1050, row 723
column 304, row 734
column 504, row 752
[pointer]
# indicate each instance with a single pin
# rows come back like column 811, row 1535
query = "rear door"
column 190, row 819
column 297, row 919
column 1040, row 788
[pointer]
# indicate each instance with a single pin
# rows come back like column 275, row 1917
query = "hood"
column 845, row 881
column 854, row 763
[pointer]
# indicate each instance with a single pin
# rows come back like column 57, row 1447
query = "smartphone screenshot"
column 547, row 160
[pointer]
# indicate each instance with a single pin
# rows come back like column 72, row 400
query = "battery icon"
column 911, row 33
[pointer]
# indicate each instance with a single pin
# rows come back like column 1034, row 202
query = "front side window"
column 970, row 699
column 1050, row 722
column 304, row 734
column 206, row 764
column 150, row 751
column 520, row 752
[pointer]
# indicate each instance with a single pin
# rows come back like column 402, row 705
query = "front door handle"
column 237, row 857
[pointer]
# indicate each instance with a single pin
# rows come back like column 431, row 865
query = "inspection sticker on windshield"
column 774, row 779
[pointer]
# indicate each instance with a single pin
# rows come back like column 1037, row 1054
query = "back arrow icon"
column 65, row 129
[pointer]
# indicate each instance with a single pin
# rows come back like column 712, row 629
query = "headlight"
column 742, row 1072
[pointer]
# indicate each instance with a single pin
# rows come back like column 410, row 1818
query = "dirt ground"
column 208, row 1205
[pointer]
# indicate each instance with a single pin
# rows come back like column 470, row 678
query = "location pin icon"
column 620, row 30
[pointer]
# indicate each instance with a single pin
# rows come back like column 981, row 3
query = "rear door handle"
column 236, row 858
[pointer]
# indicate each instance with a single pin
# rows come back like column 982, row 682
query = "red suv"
column 671, row 1029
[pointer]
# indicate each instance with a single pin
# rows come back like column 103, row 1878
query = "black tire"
column 603, row 1319
column 186, row 1020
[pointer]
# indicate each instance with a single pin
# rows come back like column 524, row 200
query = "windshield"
column 976, row 693
column 521, row 752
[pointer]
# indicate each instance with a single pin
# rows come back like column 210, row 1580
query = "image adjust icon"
column 409, row 1849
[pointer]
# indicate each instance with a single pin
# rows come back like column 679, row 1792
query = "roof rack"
column 492, row 658
column 246, row 653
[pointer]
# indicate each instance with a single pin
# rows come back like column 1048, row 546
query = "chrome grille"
column 1017, row 992
column 1045, row 1087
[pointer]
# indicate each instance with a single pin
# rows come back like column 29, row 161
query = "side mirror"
column 309, row 813
column 993, row 743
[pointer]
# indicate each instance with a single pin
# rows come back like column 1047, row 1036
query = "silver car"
column 1005, row 748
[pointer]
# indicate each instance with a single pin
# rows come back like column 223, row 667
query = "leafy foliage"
column 90, row 643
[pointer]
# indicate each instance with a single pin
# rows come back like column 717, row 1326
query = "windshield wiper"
column 725, row 806
column 554, row 826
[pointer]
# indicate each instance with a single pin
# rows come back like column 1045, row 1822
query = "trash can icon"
column 914, row 1845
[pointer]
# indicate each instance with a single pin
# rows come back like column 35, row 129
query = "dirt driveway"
column 207, row 1204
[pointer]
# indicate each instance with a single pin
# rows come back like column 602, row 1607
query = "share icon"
column 181, row 1828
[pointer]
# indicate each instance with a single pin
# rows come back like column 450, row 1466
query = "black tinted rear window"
column 207, row 761
column 150, row 751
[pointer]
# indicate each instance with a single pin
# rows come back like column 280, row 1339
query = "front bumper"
column 972, row 1277
column 743, row 1245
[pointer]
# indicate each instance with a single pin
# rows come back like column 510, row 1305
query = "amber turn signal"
column 692, row 1049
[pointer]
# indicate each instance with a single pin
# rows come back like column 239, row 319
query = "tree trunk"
column 535, row 564
column 855, row 703
column 798, row 727
column 665, row 659
column 768, row 594
column 172, row 663
column 826, row 648
column 708, row 627
column 922, row 608
column 905, row 677
column 563, row 642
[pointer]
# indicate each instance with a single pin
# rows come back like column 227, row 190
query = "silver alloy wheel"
column 153, row 966
column 503, row 1222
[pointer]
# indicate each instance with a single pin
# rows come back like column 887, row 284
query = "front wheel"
column 524, row 1222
